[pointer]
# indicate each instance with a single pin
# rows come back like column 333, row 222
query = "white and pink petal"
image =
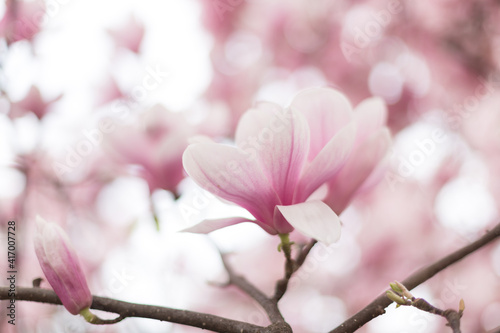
column 279, row 140
column 233, row 175
column 313, row 219
column 327, row 163
column 327, row 112
column 361, row 164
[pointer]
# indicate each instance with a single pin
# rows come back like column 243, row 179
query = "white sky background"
column 73, row 50
column 73, row 54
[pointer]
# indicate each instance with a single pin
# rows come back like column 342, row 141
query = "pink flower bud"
column 61, row 266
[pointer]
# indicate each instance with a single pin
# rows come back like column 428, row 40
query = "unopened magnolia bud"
column 395, row 297
column 61, row 266
column 395, row 287
column 403, row 289
column 461, row 306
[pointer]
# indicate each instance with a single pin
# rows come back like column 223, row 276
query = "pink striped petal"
column 314, row 219
column 358, row 168
column 327, row 111
column 327, row 163
column 279, row 141
column 232, row 175
column 61, row 266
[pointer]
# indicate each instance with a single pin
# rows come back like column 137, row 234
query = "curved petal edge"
column 207, row 226
column 314, row 219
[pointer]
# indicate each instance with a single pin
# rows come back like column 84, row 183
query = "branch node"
column 278, row 328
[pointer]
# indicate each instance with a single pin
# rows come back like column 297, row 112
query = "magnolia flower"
column 130, row 35
column 282, row 156
column 61, row 267
column 155, row 143
column 34, row 102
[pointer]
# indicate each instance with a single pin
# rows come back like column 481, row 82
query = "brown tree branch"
column 269, row 305
column 126, row 309
column 219, row 324
column 377, row 307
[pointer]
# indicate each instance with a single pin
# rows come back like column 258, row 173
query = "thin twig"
column 282, row 284
column 402, row 296
column 126, row 309
column 268, row 304
column 304, row 252
column 377, row 307
column 452, row 316
column 291, row 266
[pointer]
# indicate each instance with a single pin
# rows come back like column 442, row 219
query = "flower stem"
column 282, row 284
column 93, row 319
column 286, row 245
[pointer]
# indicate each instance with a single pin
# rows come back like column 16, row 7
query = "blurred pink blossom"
column 155, row 144
column 486, row 141
column 21, row 20
column 109, row 91
column 34, row 102
column 130, row 35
